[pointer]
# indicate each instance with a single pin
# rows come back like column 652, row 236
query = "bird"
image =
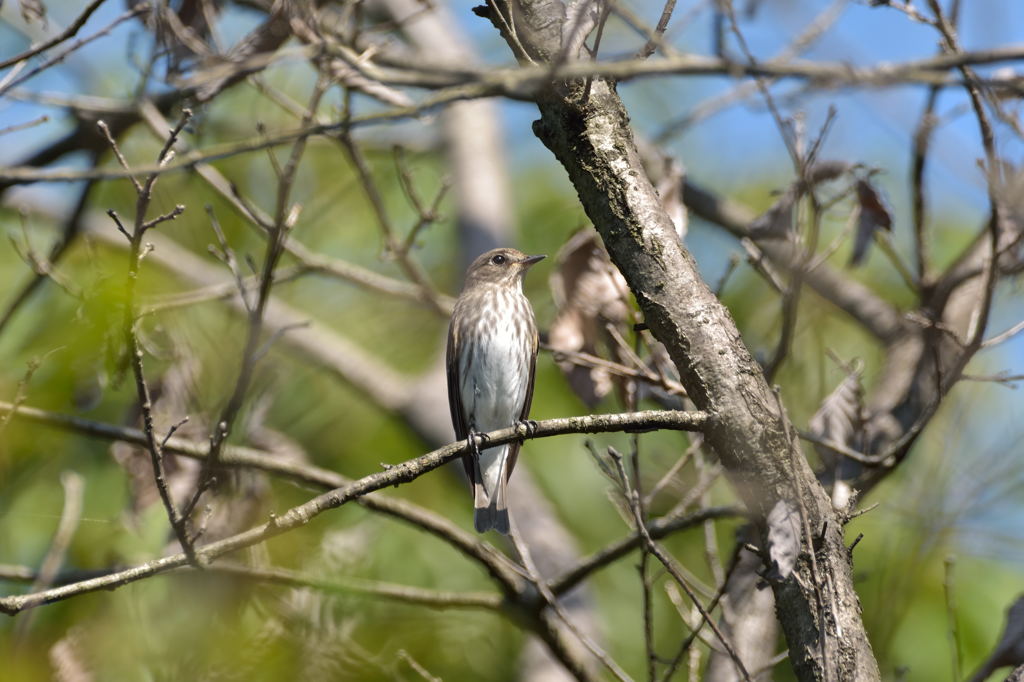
column 491, row 360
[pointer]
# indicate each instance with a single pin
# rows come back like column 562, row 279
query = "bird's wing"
column 513, row 448
column 455, row 395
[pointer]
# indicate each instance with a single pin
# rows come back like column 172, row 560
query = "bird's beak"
column 531, row 260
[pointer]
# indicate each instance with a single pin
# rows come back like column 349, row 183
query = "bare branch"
column 671, row 565
column 593, row 142
column 530, row 82
column 666, row 14
column 144, row 192
column 66, row 34
column 394, row 475
column 284, row 220
column 14, row 79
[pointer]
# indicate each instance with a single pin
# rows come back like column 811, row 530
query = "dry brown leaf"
column 873, row 214
column 840, row 419
column 240, row 497
column 589, row 293
column 841, row 416
column 172, row 398
column 32, row 10
column 69, row 658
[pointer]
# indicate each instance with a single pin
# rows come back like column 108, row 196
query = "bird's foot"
column 477, row 441
column 530, row 425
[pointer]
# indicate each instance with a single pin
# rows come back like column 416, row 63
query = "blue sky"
column 732, row 147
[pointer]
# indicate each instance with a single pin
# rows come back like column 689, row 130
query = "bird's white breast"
column 495, row 374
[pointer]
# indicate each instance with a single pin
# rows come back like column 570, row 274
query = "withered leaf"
column 840, row 419
column 841, row 416
column 589, row 293
column 72, row 657
column 32, row 10
column 826, row 171
column 873, row 214
column 172, row 398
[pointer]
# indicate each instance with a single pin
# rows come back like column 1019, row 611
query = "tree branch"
column 592, row 140
column 394, row 475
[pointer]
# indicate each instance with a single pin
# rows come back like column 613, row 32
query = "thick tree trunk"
column 586, row 126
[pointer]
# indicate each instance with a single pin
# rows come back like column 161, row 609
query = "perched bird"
column 492, row 353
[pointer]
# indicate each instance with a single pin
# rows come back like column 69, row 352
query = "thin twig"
column 397, row 474
column 884, row 242
column 954, row 631
column 676, row 467
column 350, row 585
column 13, row 79
column 646, row 581
column 406, row 594
column 1000, row 378
column 702, row 110
column 105, row 129
column 602, row 19
column 673, row 568
column 712, row 605
column 66, row 34
column 417, row 667
column 919, row 153
column 144, row 193
column 658, row 528
column 69, row 231
column 25, row 126
column 1004, row 336
column 392, row 245
column 582, row 359
column 21, row 391
column 666, row 14
column 214, row 292
column 284, row 219
column 552, row 601
column 979, row 318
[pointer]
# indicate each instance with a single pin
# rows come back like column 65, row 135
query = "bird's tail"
column 489, row 507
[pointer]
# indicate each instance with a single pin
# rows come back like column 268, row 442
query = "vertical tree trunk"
column 586, row 127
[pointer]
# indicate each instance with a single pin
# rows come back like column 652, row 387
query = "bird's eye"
column 499, row 259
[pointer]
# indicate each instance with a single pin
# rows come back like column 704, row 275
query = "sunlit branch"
column 394, row 475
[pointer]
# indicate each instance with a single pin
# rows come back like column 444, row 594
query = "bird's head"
column 502, row 266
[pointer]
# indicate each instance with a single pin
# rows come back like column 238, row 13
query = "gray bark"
column 819, row 610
